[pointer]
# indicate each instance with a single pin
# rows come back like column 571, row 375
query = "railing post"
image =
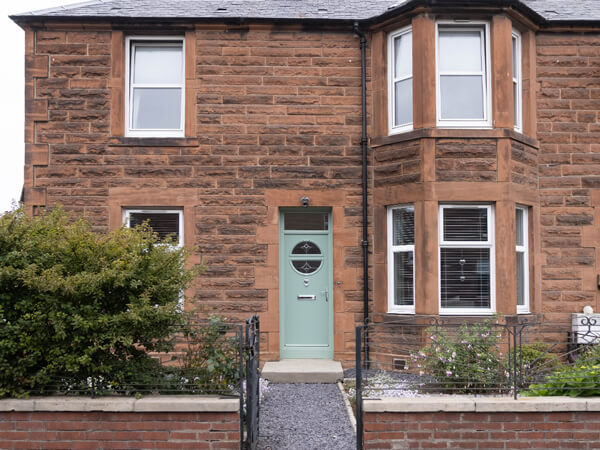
column 359, row 415
column 514, row 356
column 243, row 344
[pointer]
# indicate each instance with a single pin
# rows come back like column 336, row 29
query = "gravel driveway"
column 306, row 417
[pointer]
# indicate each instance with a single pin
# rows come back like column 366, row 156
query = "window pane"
column 465, row 277
column 157, row 108
column 461, row 96
column 514, row 56
column 159, row 64
column 404, row 103
column 519, row 223
column 460, row 51
column 306, row 248
column 164, row 224
column 520, row 279
column 516, row 103
column 403, row 220
column 403, row 55
column 306, row 221
column 465, row 224
column 403, row 278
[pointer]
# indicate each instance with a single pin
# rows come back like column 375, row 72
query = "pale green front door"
column 306, row 300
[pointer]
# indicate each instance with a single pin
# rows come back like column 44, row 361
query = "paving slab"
column 303, row 371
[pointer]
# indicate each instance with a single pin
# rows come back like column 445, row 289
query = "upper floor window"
column 516, row 79
column 401, row 259
column 155, row 87
column 400, row 76
column 463, row 78
column 467, row 275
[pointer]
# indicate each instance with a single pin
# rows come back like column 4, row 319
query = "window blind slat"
column 163, row 224
column 465, row 224
column 403, row 278
column 465, row 277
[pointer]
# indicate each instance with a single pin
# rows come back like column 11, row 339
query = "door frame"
column 283, row 261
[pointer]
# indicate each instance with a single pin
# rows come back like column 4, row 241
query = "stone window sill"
column 488, row 133
column 120, row 141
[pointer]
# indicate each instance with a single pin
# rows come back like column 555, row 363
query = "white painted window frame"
column 403, row 128
column 517, row 80
column 128, row 211
column 391, row 250
column 130, row 42
column 483, row 27
column 525, row 308
column 490, row 243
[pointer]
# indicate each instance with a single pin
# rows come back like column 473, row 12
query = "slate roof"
column 542, row 10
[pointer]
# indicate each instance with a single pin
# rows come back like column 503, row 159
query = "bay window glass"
column 522, row 253
column 400, row 76
column 155, row 87
column 401, row 254
column 463, row 75
column 516, row 79
column 466, row 259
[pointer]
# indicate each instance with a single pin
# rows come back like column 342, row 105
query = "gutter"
column 363, row 144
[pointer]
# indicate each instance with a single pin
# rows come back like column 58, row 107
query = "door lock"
column 326, row 292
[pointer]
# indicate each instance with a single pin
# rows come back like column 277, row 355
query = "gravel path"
column 305, row 417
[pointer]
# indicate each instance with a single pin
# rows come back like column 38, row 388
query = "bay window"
column 466, row 252
column 463, row 78
column 401, row 256
column 516, row 79
column 522, row 253
column 400, row 75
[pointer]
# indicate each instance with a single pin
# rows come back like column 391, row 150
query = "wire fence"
column 425, row 355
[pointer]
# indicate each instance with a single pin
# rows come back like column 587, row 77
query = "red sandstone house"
column 473, row 189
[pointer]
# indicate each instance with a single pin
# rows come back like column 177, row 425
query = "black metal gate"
column 250, row 411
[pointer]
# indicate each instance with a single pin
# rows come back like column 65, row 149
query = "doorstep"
column 303, row 371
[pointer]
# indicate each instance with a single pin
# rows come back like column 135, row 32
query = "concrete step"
column 303, row 371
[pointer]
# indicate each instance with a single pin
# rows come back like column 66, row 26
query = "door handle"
column 326, row 292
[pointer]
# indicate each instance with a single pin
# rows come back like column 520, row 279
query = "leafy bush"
column 468, row 362
column 579, row 380
column 79, row 305
column 212, row 355
column 534, row 361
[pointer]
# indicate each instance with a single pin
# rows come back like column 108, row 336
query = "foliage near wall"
column 79, row 305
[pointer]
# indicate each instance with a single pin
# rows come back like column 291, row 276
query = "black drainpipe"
column 363, row 144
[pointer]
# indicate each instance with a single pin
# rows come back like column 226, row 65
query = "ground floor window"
column 167, row 223
column 466, row 259
column 401, row 256
column 522, row 253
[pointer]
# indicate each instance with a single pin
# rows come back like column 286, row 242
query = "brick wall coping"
column 481, row 404
column 123, row 404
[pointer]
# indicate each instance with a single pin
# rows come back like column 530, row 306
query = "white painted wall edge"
column 433, row 404
column 178, row 403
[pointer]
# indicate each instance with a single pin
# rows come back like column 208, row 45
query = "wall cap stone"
column 183, row 403
column 457, row 403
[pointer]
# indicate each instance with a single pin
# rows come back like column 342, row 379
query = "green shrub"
column 212, row 355
column 579, row 380
column 79, row 305
column 534, row 361
column 468, row 362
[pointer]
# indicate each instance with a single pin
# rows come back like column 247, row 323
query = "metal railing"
column 501, row 356
column 252, row 382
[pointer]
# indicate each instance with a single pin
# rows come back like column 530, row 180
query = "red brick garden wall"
column 510, row 430
column 119, row 430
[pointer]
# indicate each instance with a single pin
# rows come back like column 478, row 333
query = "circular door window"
column 309, row 264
